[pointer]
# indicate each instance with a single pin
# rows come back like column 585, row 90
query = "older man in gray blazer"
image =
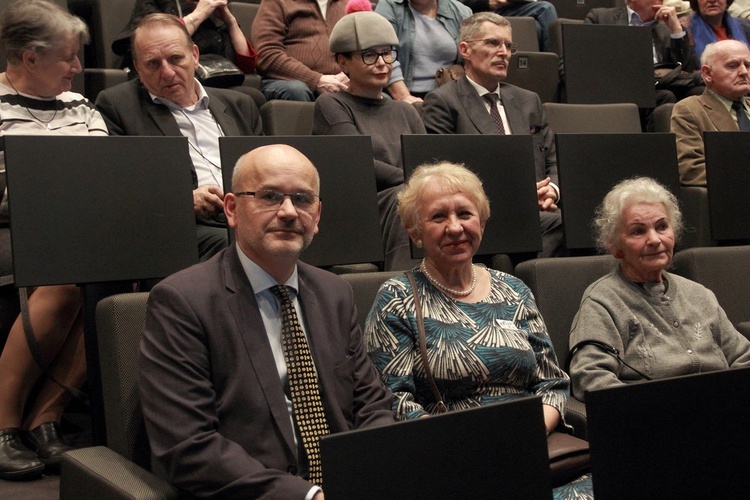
column 464, row 107
column 167, row 100
column 216, row 381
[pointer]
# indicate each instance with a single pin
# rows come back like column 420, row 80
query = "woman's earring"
column 418, row 243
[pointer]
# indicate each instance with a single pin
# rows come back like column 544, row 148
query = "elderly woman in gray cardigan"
column 662, row 325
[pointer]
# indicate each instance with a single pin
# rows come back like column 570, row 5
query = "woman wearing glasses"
column 364, row 46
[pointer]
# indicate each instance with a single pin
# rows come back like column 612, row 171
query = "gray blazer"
column 456, row 108
column 213, row 404
column 128, row 110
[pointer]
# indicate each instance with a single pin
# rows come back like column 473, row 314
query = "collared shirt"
column 482, row 91
column 635, row 20
column 728, row 105
column 202, row 131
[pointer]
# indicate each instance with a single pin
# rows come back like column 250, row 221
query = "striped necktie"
column 494, row 112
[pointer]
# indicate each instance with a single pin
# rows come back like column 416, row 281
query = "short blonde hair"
column 452, row 176
column 626, row 194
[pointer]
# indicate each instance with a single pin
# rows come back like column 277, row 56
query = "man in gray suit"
column 463, row 107
column 168, row 100
column 214, row 379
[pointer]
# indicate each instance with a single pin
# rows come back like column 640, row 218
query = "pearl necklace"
column 41, row 122
column 459, row 293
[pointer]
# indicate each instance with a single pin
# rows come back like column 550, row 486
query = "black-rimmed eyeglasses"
column 370, row 56
column 495, row 44
column 272, row 199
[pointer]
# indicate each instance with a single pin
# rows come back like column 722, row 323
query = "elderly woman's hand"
column 203, row 11
column 546, row 195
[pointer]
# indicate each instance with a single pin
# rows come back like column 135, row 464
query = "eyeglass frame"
column 291, row 196
column 382, row 54
column 509, row 46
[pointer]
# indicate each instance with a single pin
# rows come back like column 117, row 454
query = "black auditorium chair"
column 120, row 470
column 725, row 271
column 558, row 285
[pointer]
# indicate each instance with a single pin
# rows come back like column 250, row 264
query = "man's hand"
column 546, row 196
column 331, row 83
column 208, row 201
column 668, row 15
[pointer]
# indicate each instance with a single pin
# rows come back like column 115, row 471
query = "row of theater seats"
column 120, row 470
column 529, row 68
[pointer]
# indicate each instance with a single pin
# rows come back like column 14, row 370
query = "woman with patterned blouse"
column 486, row 341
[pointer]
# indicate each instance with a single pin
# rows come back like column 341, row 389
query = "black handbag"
column 671, row 76
column 218, row 71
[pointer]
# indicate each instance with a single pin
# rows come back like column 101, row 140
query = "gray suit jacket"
column 670, row 50
column 456, row 108
column 213, row 404
column 128, row 110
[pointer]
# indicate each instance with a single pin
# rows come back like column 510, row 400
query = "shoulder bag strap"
column 441, row 408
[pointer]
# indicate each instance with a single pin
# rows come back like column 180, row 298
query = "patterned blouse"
column 479, row 353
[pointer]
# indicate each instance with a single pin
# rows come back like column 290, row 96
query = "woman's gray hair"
column 626, row 194
column 39, row 26
column 451, row 176
column 472, row 25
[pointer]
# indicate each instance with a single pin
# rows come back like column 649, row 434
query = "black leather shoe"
column 17, row 462
column 48, row 443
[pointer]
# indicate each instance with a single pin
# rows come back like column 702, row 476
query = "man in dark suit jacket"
column 670, row 41
column 213, row 381
column 460, row 107
column 168, row 100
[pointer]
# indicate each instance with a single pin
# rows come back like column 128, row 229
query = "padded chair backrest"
column 524, row 33
column 558, row 285
column 618, row 118
column 694, row 204
column 577, row 9
column 366, row 286
column 599, row 71
column 245, row 14
column 287, row 117
column 662, row 117
column 119, row 323
column 555, row 33
column 108, row 19
column 535, row 71
column 723, row 270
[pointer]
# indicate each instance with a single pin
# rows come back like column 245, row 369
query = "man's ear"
column 465, row 50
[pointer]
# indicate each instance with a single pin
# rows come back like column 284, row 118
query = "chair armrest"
column 575, row 415
column 98, row 472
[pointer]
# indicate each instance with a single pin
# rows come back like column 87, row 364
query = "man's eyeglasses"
column 271, row 199
column 370, row 56
column 495, row 44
